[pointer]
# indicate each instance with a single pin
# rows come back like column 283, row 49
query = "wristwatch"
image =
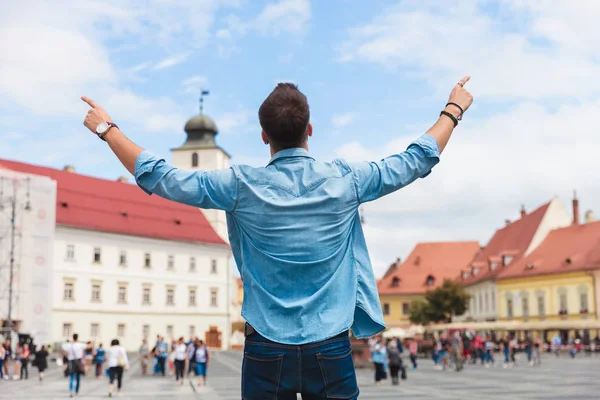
column 103, row 128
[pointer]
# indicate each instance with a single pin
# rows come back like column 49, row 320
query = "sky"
column 376, row 74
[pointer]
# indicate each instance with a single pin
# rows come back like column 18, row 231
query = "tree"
column 440, row 304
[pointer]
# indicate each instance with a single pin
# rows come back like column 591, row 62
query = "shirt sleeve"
column 203, row 189
column 376, row 179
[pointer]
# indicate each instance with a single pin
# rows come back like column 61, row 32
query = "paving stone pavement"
column 561, row 378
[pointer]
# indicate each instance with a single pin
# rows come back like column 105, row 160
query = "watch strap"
column 110, row 125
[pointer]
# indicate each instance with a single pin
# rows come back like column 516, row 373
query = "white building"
column 509, row 243
column 103, row 259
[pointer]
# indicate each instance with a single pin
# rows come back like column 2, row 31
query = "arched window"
column 194, row 159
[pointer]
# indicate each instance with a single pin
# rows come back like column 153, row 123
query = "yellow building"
column 426, row 268
column 557, row 281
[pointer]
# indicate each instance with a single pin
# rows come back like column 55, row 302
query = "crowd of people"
column 387, row 356
column 178, row 358
column 18, row 359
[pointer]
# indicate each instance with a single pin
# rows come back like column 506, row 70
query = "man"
column 162, row 352
column 295, row 233
column 144, row 353
column 180, row 359
column 74, row 353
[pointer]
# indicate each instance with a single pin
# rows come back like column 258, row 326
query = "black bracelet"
column 459, row 107
column 452, row 117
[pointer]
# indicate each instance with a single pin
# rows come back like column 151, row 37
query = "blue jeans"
column 489, row 357
column 322, row 370
column 77, row 378
column 2, row 369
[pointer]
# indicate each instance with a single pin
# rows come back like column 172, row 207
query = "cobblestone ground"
column 561, row 378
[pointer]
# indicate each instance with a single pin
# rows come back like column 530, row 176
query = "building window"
column 67, row 329
column 405, row 309
column 487, row 302
column 68, row 292
column 213, row 267
column 147, row 260
column 170, row 297
column 213, row 297
column 121, row 330
column 146, row 296
column 171, row 262
column 70, row 252
column 122, row 295
column 509, row 308
column 97, row 254
column 583, row 302
column 192, row 297
column 123, row 258
column 430, row 280
column 525, row 307
column 194, row 159
column 386, row 309
column 95, row 330
column 493, row 300
column 96, row 288
column 480, row 302
column 564, row 310
column 145, row 331
column 192, row 264
column 192, row 331
column 169, row 331
column 395, row 282
column 541, row 305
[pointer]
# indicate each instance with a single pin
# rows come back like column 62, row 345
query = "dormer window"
column 418, row 260
column 529, row 266
column 493, row 265
column 465, row 274
column 395, row 282
column 430, row 280
column 506, row 259
column 475, row 271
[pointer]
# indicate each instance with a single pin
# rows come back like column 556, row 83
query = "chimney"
column 589, row 217
column 122, row 179
column 507, row 221
column 69, row 168
column 523, row 211
column 575, row 209
column 398, row 261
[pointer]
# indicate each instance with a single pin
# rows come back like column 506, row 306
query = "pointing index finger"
column 464, row 80
column 90, row 102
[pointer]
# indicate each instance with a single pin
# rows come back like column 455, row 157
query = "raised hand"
column 461, row 96
column 95, row 116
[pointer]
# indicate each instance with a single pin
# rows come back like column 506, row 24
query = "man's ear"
column 264, row 137
column 309, row 130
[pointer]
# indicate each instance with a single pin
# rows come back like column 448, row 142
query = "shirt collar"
column 287, row 153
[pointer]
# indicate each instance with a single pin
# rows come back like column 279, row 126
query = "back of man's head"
column 75, row 337
column 284, row 117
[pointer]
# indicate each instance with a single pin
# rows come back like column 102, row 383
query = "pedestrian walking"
column 276, row 214
column 41, row 361
column 2, row 360
column 99, row 354
column 162, row 352
column 180, row 355
column 144, row 354
column 74, row 351
column 202, row 358
column 379, row 357
column 394, row 361
column 17, row 361
column 89, row 357
column 413, row 348
column 116, row 359
column 8, row 355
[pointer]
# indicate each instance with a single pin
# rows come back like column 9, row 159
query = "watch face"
column 102, row 127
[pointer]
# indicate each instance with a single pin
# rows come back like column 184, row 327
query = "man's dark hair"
column 284, row 116
column 114, row 342
column 75, row 337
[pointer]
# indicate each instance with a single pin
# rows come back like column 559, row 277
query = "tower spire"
column 202, row 94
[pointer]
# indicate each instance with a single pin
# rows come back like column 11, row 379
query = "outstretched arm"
column 376, row 179
column 214, row 189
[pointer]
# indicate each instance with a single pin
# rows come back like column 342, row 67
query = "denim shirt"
column 295, row 234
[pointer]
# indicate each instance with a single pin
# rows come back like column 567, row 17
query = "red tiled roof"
column 513, row 239
column 574, row 248
column 441, row 260
column 109, row 206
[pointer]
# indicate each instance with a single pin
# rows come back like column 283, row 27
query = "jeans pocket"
column 261, row 375
column 338, row 373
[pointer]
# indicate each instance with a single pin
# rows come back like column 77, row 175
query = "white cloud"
column 236, row 122
column 194, row 84
column 172, row 61
column 526, row 155
column 284, row 16
column 443, row 44
column 339, row 121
